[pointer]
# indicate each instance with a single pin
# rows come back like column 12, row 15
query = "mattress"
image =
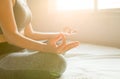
column 89, row 61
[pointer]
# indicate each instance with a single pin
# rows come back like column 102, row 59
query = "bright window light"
column 75, row 4
column 108, row 4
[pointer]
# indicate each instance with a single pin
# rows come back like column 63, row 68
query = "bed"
column 89, row 61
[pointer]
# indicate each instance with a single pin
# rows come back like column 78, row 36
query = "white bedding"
column 89, row 61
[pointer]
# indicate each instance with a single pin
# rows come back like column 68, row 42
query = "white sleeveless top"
column 22, row 14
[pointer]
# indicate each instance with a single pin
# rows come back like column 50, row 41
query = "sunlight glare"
column 75, row 4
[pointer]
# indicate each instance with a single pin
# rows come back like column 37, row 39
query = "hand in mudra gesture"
column 52, row 46
column 69, row 30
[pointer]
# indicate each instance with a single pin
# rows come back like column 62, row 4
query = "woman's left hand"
column 62, row 47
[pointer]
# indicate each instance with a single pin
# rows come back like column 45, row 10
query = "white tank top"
column 22, row 14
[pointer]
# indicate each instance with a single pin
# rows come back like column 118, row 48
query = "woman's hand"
column 69, row 31
column 52, row 46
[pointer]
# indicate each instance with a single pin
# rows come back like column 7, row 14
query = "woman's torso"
column 23, row 17
column 22, row 14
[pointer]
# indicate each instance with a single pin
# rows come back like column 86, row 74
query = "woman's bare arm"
column 9, row 28
column 29, row 32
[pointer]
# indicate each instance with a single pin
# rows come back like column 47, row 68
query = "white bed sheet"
column 89, row 61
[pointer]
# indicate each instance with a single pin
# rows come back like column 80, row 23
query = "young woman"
column 16, row 34
column 15, row 23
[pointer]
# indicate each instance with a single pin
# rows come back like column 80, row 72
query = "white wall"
column 97, row 28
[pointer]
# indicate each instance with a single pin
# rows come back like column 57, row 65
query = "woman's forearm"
column 22, row 41
column 43, row 36
column 29, row 32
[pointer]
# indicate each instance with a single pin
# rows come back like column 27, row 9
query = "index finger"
column 54, row 40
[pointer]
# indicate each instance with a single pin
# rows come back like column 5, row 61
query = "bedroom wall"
column 97, row 28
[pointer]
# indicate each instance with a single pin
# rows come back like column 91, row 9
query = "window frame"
column 110, row 9
column 52, row 8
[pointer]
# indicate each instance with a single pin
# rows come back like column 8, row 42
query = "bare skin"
column 30, row 39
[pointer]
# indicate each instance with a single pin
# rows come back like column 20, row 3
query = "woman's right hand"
column 69, row 31
column 52, row 46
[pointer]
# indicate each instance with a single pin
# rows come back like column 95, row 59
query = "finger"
column 53, row 41
column 71, row 32
column 70, row 46
column 57, row 38
column 62, row 45
column 63, row 40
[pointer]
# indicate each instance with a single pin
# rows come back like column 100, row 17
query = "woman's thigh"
column 33, row 62
column 6, row 48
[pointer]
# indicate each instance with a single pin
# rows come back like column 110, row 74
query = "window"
column 75, row 4
column 86, row 4
column 108, row 4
